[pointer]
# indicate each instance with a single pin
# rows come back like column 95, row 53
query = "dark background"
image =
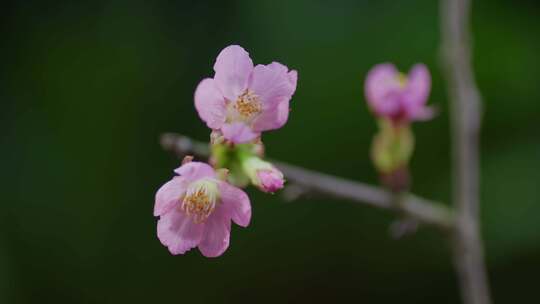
column 87, row 88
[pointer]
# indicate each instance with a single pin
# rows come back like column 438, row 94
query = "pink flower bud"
column 263, row 174
column 270, row 180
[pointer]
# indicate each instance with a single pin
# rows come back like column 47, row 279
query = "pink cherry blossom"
column 195, row 209
column 399, row 97
column 243, row 100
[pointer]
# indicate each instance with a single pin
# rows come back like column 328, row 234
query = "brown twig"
column 307, row 181
column 466, row 121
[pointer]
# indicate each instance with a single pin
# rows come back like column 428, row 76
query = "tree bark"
column 465, row 110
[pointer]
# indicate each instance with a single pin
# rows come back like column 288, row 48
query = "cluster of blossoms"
column 396, row 100
column 196, row 207
column 241, row 101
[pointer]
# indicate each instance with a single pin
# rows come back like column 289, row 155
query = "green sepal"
column 392, row 146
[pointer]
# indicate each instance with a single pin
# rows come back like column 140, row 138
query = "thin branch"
column 308, row 181
column 466, row 121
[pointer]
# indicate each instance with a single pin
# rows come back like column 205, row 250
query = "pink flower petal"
column 195, row 170
column 238, row 132
column 271, row 180
column 169, row 195
column 293, row 77
column 233, row 68
column 382, row 89
column 236, row 204
column 210, row 103
column 272, row 84
column 418, row 85
column 216, row 234
column 273, row 118
column 178, row 232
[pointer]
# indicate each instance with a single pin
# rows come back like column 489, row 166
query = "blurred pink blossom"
column 396, row 96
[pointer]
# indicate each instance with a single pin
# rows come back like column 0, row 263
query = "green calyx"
column 232, row 157
column 392, row 146
column 252, row 165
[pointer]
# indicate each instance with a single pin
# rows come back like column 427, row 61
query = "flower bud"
column 263, row 174
column 270, row 180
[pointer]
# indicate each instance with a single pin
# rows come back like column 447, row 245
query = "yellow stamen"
column 402, row 79
column 248, row 104
column 200, row 200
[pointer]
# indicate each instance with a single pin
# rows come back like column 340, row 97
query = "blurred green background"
column 87, row 88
